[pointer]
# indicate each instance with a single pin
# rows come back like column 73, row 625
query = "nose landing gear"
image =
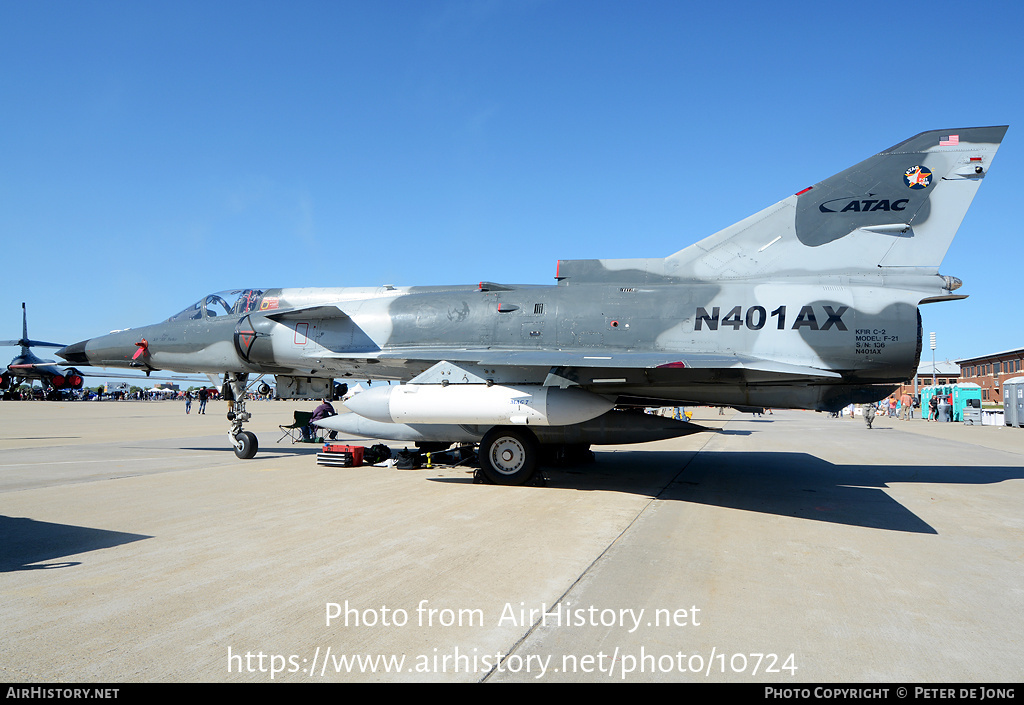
column 244, row 442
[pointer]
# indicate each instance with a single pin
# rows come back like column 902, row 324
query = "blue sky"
column 154, row 152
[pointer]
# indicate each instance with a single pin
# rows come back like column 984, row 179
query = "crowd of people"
column 902, row 408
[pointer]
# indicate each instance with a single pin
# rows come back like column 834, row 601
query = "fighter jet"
column 27, row 367
column 811, row 303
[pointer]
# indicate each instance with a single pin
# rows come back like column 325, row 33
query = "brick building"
column 989, row 371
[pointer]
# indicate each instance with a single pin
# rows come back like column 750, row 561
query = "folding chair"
column 294, row 429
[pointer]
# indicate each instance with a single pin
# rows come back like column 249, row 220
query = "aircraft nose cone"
column 75, row 353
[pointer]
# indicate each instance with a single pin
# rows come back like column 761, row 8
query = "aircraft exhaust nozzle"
column 521, row 404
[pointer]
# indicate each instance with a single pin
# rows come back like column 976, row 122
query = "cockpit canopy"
column 223, row 303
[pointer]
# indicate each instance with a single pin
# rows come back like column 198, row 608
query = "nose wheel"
column 245, row 444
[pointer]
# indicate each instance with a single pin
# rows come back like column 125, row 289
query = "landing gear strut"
column 244, row 442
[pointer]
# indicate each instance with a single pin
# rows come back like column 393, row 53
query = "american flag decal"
column 951, row 141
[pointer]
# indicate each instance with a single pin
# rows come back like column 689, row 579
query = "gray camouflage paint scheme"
column 705, row 325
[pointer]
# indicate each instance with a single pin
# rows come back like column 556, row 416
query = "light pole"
column 932, row 339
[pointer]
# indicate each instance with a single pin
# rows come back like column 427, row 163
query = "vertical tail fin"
column 25, row 341
column 899, row 208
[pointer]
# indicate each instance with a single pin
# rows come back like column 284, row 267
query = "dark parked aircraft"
column 26, row 367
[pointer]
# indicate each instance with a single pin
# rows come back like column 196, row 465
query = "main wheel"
column 248, row 445
column 508, row 456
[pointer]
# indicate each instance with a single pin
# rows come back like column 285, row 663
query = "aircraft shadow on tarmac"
column 27, row 542
column 265, row 452
column 785, row 484
column 797, row 485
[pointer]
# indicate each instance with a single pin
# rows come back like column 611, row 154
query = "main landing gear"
column 513, row 455
column 509, row 455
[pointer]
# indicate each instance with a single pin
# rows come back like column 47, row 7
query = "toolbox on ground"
column 340, row 456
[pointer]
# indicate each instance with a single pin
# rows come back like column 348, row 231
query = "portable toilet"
column 972, row 413
column 926, row 395
column 946, row 402
column 1013, row 402
column 943, row 392
column 961, row 393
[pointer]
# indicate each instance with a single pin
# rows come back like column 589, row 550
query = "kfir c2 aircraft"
column 26, row 367
column 811, row 303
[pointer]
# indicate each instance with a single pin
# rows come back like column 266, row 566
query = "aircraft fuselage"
column 838, row 326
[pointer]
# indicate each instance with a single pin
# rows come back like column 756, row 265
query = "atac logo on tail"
column 917, row 177
column 862, row 205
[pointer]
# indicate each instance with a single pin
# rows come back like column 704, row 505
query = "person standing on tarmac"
column 869, row 414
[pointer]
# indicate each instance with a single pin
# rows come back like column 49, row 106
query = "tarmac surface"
column 781, row 549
